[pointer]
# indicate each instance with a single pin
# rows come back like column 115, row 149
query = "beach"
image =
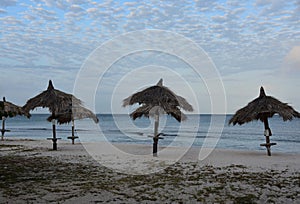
column 31, row 172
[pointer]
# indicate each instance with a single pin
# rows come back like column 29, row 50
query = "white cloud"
column 273, row 7
column 205, row 5
column 2, row 11
column 292, row 60
column 60, row 4
column 92, row 10
column 77, row 1
column 76, row 8
column 6, row 3
column 29, row 17
column 11, row 20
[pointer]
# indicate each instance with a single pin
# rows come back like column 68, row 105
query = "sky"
column 247, row 44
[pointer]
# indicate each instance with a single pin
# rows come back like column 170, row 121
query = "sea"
column 204, row 130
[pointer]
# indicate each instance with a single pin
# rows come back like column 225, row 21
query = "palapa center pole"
column 156, row 136
column 73, row 131
column 267, row 134
column 3, row 128
column 54, row 139
column 73, row 137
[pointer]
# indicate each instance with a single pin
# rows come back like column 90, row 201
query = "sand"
column 31, row 172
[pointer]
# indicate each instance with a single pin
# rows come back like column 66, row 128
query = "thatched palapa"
column 157, row 100
column 8, row 109
column 72, row 113
column 53, row 99
column 64, row 107
column 158, row 96
column 262, row 108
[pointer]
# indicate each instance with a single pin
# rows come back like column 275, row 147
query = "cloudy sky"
column 251, row 44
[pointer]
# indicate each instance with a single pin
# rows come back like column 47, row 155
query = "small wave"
column 169, row 134
column 136, row 133
column 284, row 140
column 44, row 129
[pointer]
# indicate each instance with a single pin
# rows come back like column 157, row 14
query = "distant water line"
column 245, row 137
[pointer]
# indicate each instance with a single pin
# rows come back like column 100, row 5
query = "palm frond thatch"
column 63, row 106
column 263, row 107
column 73, row 113
column 51, row 98
column 145, row 110
column 160, row 96
column 8, row 109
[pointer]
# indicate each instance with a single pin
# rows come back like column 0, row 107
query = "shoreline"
column 217, row 157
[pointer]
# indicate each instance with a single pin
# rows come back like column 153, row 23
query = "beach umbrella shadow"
column 157, row 100
column 262, row 108
column 8, row 109
column 60, row 105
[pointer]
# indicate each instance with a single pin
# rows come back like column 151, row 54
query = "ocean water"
column 197, row 130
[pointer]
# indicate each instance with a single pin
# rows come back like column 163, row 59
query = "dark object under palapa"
column 262, row 108
column 157, row 100
column 8, row 109
column 60, row 105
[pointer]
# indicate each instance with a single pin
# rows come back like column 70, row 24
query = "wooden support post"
column 267, row 134
column 73, row 137
column 54, row 140
column 73, row 132
column 3, row 128
column 156, row 136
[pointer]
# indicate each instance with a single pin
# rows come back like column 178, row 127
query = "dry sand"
column 31, row 172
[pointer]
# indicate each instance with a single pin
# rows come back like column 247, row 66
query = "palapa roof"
column 159, row 99
column 63, row 106
column 8, row 109
column 73, row 113
column 263, row 107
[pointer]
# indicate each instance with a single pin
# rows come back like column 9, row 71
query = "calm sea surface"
column 198, row 130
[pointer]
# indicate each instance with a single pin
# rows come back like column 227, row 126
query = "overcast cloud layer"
column 252, row 43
